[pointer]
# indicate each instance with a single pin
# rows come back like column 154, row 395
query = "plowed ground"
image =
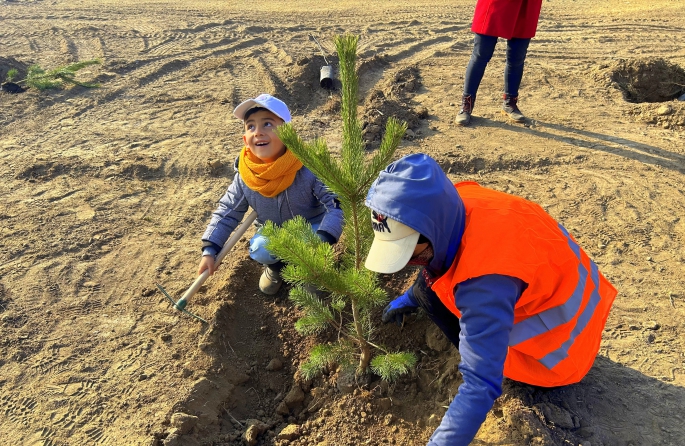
column 106, row 192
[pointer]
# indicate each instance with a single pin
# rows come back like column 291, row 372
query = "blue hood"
column 415, row 191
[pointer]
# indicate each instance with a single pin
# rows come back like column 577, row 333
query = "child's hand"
column 207, row 263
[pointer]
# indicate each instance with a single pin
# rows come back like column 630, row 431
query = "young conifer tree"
column 38, row 78
column 353, row 290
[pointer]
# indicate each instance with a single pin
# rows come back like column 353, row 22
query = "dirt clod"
column 274, row 365
column 183, row 422
column 290, row 432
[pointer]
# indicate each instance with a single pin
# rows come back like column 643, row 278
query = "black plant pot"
column 11, row 87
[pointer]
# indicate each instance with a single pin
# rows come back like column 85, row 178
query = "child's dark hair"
column 252, row 111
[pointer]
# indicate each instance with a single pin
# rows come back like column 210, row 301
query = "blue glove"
column 395, row 310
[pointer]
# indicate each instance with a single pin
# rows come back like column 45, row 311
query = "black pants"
column 447, row 321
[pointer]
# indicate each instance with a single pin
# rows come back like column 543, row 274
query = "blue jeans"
column 258, row 249
column 483, row 48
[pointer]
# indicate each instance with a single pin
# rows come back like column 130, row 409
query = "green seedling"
column 313, row 266
column 12, row 74
column 38, row 78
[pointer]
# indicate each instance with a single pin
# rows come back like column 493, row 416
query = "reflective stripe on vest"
column 553, row 317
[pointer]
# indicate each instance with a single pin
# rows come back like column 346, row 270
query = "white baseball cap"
column 274, row 105
column 393, row 244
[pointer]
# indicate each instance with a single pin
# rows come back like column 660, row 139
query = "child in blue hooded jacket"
column 505, row 282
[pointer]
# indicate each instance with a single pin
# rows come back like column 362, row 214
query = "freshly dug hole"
column 649, row 80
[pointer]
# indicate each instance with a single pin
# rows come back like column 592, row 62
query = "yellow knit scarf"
column 269, row 179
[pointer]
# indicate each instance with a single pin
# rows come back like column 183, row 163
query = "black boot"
column 464, row 116
column 510, row 108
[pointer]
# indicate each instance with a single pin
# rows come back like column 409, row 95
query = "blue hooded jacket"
column 416, row 192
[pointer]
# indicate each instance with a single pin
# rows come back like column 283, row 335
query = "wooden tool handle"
column 232, row 240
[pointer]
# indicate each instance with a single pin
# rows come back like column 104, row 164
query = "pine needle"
column 393, row 365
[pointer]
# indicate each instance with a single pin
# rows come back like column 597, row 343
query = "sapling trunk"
column 365, row 356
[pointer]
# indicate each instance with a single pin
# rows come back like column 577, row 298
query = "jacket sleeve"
column 227, row 216
column 332, row 222
column 487, row 305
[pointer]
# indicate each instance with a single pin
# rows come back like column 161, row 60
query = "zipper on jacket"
column 288, row 200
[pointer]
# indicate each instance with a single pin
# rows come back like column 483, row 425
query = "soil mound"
column 669, row 115
column 303, row 87
column 8, row 63
column 649, row 80
column 393, row 99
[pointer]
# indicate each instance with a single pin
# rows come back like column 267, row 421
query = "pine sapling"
column 37, row 77
column 312, row 266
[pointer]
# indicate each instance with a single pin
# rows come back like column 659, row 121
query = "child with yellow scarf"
column 273, row 182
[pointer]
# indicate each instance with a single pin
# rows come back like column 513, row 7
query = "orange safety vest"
column 559, row 318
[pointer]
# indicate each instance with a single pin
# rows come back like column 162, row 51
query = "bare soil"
column 106, row 192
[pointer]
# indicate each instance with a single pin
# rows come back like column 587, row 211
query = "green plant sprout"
column 311, row 263
column 12, row 74
column 37, row 77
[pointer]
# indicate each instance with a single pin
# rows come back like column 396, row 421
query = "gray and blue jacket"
column 307, row 196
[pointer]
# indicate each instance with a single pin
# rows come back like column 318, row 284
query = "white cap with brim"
column 274, row 105
column 393, row 245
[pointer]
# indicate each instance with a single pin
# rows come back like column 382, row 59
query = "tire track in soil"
column 65, row 424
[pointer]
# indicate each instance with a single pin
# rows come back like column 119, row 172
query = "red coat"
column 507, row 18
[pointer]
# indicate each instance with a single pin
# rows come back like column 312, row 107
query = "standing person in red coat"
column 514, row 20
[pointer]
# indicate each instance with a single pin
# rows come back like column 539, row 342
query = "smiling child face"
column 260, row 136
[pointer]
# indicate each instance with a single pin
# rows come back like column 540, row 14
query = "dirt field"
column 107, row 191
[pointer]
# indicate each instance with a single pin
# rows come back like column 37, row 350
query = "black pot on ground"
column 11, row 87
